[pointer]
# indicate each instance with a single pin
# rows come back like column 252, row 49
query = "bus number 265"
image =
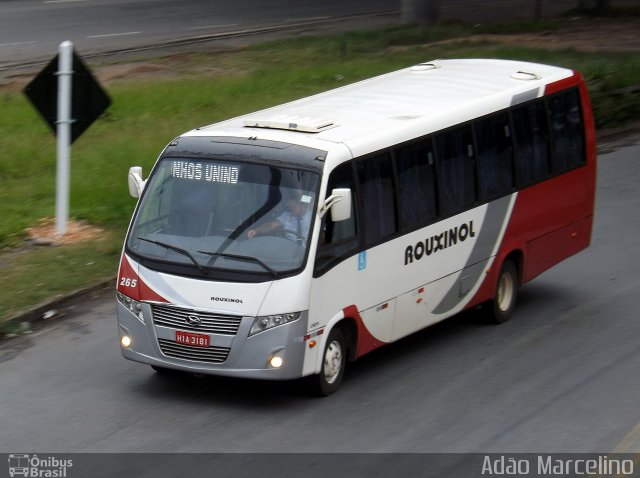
column 127, row 282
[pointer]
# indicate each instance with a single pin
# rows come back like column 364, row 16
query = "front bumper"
column 247, row 357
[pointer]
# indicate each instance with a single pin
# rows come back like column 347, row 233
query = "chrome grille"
column 189, row 352
column 212, row 323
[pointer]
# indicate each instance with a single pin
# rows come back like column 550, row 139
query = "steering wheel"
column 282, row 232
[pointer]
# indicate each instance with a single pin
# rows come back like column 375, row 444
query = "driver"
column 296, row 219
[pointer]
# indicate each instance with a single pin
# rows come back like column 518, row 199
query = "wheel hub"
column 332, row 361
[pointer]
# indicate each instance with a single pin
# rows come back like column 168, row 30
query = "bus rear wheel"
column 334, row 361
column 501, row 307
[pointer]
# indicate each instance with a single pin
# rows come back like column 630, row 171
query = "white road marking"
column 631, row 442
column 309, row 19
column 114, row 35
column 63, row 1
column 18, row 43
column 206, row 27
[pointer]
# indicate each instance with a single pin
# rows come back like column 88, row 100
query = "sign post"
column 69, row 99
column 63, row 124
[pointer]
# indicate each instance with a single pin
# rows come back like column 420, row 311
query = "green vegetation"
column 145, row 115
column 32, row 276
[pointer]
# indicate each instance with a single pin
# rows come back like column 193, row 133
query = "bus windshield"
column 210, row 217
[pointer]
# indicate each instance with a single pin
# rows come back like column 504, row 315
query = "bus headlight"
column 125, row 341
column 133, row 305
column 270, row 321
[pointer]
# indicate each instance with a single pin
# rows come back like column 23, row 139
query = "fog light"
column 125, row 341
column 276, row 361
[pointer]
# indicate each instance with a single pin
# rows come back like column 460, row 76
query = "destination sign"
column 211, row 172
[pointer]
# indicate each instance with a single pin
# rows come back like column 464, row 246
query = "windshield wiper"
column 176, row 249
column 274, row 273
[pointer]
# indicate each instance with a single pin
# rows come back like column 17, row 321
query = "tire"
column 334, row 361
column 501, row 308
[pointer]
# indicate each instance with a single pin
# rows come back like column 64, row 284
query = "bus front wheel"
column 501, row 307
column 334, row 361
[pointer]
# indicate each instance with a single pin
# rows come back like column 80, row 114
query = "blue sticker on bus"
column 362, row 261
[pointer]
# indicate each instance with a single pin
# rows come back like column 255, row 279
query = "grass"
column 32, row 276
column 145, row 115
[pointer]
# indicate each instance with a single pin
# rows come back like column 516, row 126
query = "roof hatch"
column 525, row 75
column 426, row 66
column 304, row 124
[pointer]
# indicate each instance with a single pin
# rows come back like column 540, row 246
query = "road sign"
column 88, row 99
column 69, row 99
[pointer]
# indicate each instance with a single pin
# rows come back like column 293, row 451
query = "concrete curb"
column 62, row 306
column 612, row 138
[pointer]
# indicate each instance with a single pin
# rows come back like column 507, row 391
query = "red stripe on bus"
column 563, row 84
column 365, row 341
column 132, row 285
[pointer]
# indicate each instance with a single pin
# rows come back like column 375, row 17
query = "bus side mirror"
column 136, row 184
column 339, row 203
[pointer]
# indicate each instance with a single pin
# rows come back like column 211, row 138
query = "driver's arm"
column 264, row 228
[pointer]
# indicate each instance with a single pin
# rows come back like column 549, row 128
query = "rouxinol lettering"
column 226, row 299
column 439, row 242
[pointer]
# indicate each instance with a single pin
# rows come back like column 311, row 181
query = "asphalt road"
column 31, row 30
column 561, row 376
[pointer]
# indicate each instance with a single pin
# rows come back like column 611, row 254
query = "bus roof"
column 388, row 109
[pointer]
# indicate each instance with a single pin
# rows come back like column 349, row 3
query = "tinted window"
column 567, row 140
column 455, row 167
column 416, row 184
column 341, row 177
column 495, row 156
column 339, row 239
column 530, row 132
column 376, row 188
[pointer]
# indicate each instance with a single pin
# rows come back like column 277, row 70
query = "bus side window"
column 531, row 139
column 416, row 184
column 567, row 140
column 375, row 176
column 338, row 240
column 495, row 156
column 455, row 167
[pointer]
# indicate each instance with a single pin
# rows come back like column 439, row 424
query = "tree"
column 598, row 6
column 423, row 12
column 537, row 10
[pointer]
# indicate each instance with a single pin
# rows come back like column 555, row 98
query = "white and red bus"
column 284, row 243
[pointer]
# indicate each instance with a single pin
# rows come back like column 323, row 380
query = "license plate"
column 196, row 340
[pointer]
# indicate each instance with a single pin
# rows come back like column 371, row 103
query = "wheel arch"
column 348, row 325
column 516, row 256
column 350, row 331
column 488, row 288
